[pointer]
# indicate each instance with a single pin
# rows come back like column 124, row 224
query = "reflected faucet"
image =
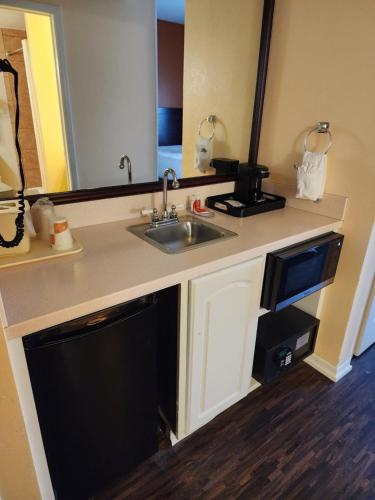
column 175, row 185
column 125, row 159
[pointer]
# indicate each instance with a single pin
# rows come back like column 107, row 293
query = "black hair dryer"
column 248, row 187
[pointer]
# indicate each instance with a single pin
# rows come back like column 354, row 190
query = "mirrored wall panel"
column 113, row 93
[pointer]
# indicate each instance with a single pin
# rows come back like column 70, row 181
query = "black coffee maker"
column 248, row 186
column 248, row 197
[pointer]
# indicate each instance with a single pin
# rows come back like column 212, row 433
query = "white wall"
column 110, row 56
column 12, row 19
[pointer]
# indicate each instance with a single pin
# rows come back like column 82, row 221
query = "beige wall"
column 321, row 68
column 17, row 476
column 220, row 67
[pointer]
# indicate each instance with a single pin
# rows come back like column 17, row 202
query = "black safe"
column 283, row 339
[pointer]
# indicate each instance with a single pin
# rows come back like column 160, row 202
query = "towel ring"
column 211, row 119
column 320, row 128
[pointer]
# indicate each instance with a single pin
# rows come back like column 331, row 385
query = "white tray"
column 39, row 250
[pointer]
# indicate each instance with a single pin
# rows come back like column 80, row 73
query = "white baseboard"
column 333, row 372
column 174, row 439
column 254, row 384
column 262, row 311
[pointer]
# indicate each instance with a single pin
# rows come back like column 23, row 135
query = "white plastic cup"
column 42, row 212
column 60, row 237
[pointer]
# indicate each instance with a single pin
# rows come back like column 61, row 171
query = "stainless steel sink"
column 186, row 234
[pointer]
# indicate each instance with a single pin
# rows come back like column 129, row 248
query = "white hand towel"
column 203, row 153
column 311, row 176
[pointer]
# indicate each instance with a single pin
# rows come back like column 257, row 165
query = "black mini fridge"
column 94, row 381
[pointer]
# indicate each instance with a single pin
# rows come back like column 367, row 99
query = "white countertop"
column 116, row 266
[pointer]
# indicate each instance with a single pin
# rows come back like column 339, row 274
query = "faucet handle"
column 173, row 212
column 155, row 215
column 174, row 208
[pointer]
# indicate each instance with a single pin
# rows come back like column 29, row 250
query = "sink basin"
column 188, row 233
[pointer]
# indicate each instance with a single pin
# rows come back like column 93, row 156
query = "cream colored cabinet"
column 223, row 317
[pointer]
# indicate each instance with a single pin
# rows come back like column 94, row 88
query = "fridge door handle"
column 93, row 327
column 96, row 321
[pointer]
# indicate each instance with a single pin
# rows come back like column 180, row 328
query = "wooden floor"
column 303, row 437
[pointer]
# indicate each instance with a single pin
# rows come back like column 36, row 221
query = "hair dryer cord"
column 6, row 67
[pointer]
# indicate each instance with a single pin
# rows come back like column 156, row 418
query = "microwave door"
column 301, row 275
column 299, row 270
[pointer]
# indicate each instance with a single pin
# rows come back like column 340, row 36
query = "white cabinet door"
column 223, row 319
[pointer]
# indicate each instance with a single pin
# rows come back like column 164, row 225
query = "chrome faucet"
column 125, row 159
column 165, row 218
column 175, row 185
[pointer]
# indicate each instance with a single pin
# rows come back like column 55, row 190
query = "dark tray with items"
column 222, row 203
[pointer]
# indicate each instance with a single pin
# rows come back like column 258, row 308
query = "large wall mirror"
column 112, row 93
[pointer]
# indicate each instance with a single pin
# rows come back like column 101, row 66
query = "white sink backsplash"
column 88, row 213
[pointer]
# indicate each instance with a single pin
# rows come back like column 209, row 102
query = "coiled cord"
column 6, row 67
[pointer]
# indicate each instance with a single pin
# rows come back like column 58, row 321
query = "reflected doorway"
column 170, row 54
column 27, row 41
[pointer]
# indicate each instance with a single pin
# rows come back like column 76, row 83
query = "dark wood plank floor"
column 301, row 438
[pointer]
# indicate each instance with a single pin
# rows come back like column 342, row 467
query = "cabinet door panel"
column 222, row 329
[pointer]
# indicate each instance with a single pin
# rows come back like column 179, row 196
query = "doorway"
column 27, row 42
column 170, row 57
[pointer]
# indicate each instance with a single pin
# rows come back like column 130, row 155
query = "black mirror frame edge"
column 152, row 187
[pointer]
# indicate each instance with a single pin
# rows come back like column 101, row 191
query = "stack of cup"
column 50, row 228
column 41, row 212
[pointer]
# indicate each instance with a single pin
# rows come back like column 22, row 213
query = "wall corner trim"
column 333, row 372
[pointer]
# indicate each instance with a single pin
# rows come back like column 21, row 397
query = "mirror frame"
column 155, row 186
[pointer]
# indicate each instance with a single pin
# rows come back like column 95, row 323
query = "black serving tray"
column 270, row 202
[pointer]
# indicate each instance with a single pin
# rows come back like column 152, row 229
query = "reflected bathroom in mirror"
column 27, row 42
column 112, row 93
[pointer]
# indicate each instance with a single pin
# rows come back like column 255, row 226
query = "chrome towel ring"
column 211, row 119
column 320, row 128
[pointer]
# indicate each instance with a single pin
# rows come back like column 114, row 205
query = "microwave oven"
column 299, row 270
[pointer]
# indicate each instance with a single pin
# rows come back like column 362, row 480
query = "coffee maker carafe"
column 248, row 186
